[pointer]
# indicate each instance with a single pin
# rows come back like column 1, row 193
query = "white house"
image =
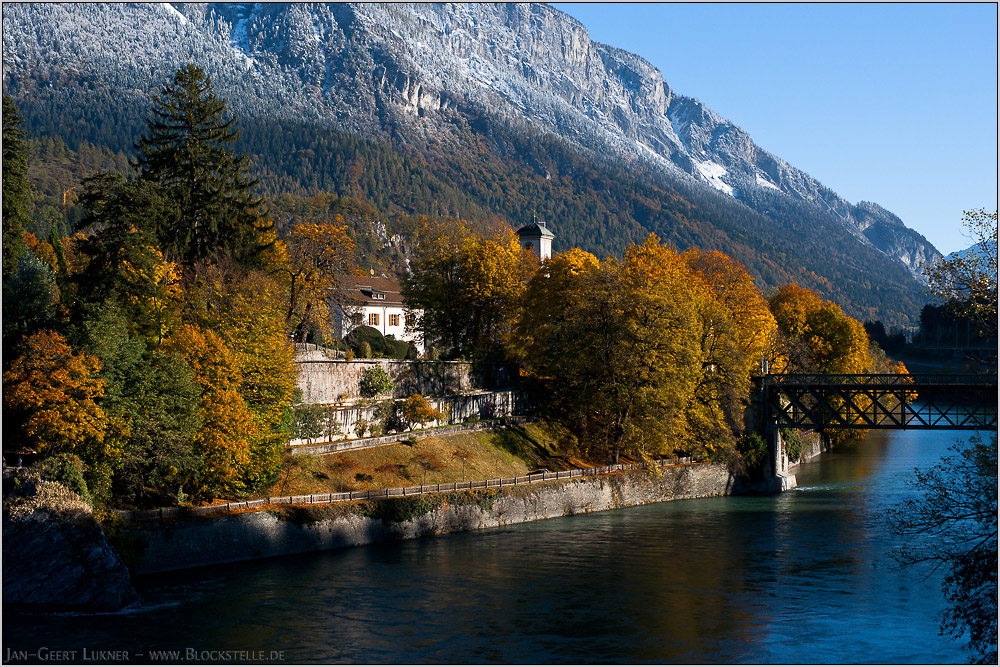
column 378, row 303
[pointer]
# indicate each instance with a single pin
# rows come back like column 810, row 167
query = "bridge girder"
column 878, row 401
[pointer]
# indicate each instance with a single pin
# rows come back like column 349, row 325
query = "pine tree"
column 217, row 212
column 16, row 189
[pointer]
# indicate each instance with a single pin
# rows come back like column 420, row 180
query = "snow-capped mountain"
column 404, row 70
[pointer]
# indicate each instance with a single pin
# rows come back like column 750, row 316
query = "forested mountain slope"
column 469, row 110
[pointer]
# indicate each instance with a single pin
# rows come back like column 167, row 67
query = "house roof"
column 367, row 288
column 535, row 229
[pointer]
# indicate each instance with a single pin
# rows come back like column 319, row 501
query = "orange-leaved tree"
column 834, row 342
column 51, row 397
column 753, row 324
column 837, row 343
column 637, row 355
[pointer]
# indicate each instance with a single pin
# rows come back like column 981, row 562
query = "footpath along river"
column 803, row 577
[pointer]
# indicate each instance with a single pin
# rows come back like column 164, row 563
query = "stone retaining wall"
column 192, row 543
column 339, row 423
column 366, row 443
column 336, row 381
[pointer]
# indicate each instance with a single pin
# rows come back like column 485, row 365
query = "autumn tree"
column 50, row 400
column 321, row 260
column 468, row 287
column 968, row 281
column 835, row 342
column 637, row 355
column 839, row 343
column 417, row 410
column 734, row 288
column 228, row 428
column 427, row 461
column 186, row 151
column 246, row 311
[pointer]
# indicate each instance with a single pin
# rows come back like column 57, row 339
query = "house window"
column 394, row 320
column 378, row 295
column 409, row 321
column 373, row 319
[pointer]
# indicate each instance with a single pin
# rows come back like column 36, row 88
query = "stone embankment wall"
column 193, row 543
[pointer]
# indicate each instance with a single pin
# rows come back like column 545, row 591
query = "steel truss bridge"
column 877, row 401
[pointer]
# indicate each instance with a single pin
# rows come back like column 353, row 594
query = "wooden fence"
column 374, row 494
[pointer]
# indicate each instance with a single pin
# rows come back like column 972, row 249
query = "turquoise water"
column 803, row 577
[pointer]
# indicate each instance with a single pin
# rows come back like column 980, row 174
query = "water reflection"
column 799, row 578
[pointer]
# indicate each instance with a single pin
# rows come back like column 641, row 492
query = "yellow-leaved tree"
column 821, row 338
column 468, row 286
column 321, row 257
column 246, row 311
column 836, row 343
column 637, row 355
column 733, row 287
column 229, row 429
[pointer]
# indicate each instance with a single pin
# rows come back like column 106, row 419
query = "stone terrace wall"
column 336, row 381
column 339, row 423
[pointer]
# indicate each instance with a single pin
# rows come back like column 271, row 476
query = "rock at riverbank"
column 55, row 556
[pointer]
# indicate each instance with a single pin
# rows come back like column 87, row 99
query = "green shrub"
column 753, row 452
column 377, row 344
column 375, row 381
column 307, row 422
column 793, row 444
column 398, row 510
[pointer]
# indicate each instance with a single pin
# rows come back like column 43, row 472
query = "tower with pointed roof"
column 537, row 238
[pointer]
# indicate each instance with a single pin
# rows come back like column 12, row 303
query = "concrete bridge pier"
column 780, row 479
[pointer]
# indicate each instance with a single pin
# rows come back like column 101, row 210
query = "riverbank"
column 177, row 545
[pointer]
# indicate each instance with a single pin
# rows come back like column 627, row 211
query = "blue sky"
column 891, row 103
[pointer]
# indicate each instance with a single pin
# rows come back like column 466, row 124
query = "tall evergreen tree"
column 217, row 212
column 16, row 189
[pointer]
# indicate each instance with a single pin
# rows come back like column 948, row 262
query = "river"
column 804, row 577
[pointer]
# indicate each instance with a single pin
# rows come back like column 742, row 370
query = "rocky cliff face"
column 404, row 70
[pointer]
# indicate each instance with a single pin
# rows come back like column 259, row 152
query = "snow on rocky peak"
column 370, row 67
